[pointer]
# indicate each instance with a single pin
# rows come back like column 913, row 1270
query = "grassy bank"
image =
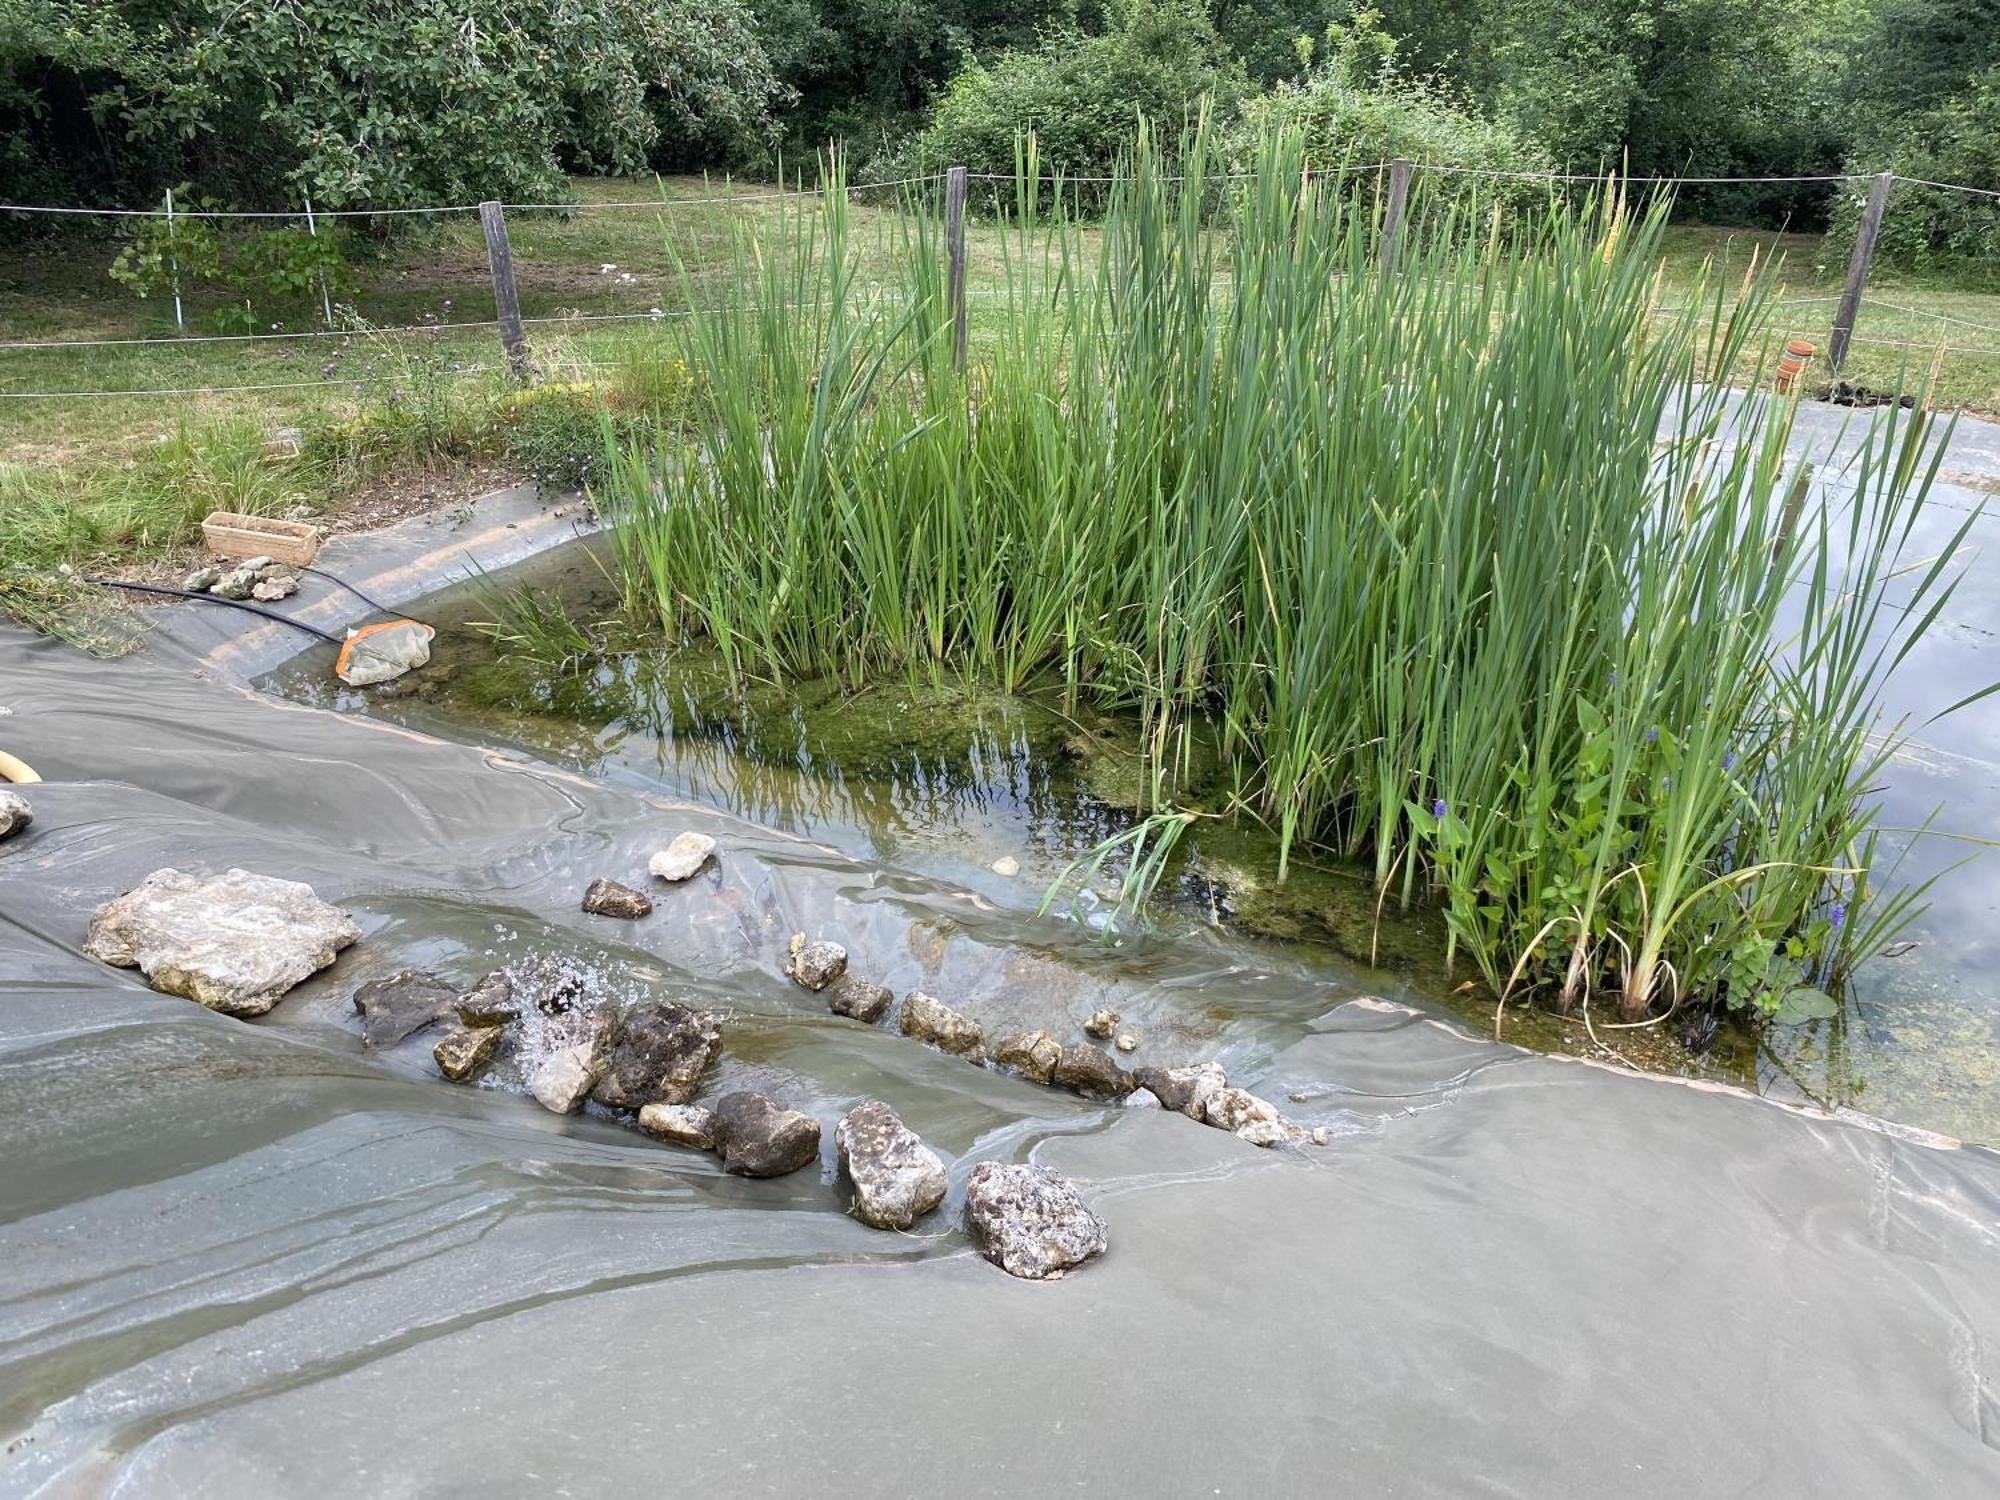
column 1400, row 548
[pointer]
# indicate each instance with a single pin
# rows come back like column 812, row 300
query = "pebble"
column 683, row 858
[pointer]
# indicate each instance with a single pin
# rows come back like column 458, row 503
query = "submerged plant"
column 1468, row 570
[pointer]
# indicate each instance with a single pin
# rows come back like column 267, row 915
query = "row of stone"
column 651, row 1058
column 1201, row 1092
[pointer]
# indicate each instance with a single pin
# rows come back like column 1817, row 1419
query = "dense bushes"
column 1924, row 101
column 375, row 103
column 1080, row 94
column 1356, row 105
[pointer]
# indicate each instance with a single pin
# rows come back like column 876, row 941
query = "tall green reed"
column 1463, row 564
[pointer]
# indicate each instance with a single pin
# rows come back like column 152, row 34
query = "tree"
column 372, row 103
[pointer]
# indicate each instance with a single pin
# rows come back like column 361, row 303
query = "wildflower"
column 1729, row 760
column 1653, row 735
column 447, row 304
column 327, row 368
column 1437, row 808
column 1836, row 916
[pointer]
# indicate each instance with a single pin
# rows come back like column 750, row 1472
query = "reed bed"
column 1462, row 564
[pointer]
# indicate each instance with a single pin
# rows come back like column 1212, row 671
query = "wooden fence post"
column 1857, row 271
column 506, row 300
column 954, row 244
column 1392, row 215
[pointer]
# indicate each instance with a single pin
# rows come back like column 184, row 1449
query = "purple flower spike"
column 1729, row 760
column 1837, row 916
column 1437, row 808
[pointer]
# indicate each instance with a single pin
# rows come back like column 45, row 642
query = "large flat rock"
column 235, row 942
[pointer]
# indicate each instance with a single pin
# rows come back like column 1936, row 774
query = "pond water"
column 253, row 1258
column 999, row 796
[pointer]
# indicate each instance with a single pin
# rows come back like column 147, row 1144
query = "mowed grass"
column 579, row 312
column 58, row 288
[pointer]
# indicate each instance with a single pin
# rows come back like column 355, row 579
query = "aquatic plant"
column 1463, row 564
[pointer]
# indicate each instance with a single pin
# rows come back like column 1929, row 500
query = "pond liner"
column 244, row 1259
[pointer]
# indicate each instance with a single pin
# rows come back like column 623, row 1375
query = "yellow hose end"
column 16, row 770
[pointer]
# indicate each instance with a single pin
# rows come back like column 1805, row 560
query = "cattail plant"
column 1462, row 565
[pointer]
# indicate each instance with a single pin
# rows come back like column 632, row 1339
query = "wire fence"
column 511, row 325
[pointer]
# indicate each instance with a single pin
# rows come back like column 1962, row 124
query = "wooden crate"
column 231, row 535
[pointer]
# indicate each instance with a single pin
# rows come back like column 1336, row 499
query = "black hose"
column 378, row 607
column 242, row 604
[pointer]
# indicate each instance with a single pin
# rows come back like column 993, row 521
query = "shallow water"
column 942, row 781
column 247, row 1259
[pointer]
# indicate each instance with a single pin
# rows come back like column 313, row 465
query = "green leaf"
column 1802, row 1003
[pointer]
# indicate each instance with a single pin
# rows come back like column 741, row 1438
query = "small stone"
column 815, row 965
column 1143, row 1099
column 1236, row 1110
column 655, row 1054
column 235, row 942
column 607, row 898
column 238, row 581
column 682, row 858
column 758, row 1137
column 852, row 996
column 201, row 580
column 255, row 564
column 563, row 1079
column 897, row 1178
column 929, row 1019
column 1298, row 1096
column 408, row 1001
column 271, row 590
column 1031, row 1222
column 1101, row 1024
column 1032, row 1054
column 463, row 1054
column 1320, row 1135
column 1265, row 1133
column 490, row 1002
column 1007, row 866
column 1126, row 1042
column 1092, row 1072
column 682, row 1124
column 16, row 813
column 1185, row 1089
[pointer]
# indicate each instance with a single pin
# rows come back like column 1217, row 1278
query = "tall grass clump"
column 1462, row 563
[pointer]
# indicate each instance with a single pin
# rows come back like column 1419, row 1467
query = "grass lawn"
column 1905, row 322
column 59, row 289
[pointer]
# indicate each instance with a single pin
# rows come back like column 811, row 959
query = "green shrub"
column 1927, row 228
column 557, row 434
column 1357, row 106
column 1081, row 95
column 258, row 271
